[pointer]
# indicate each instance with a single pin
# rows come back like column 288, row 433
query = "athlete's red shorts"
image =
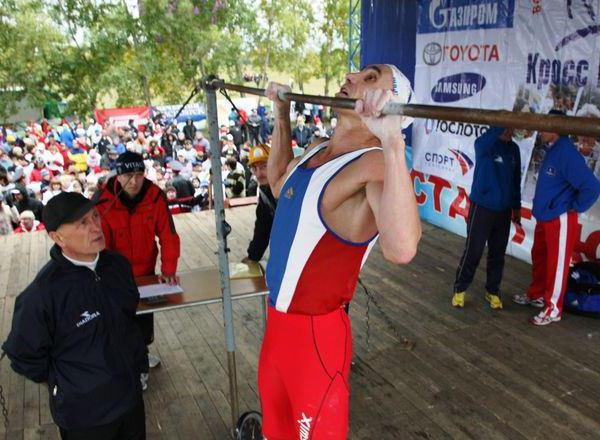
column 303, row 376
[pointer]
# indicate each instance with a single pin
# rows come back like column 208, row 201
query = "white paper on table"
column 158, row 289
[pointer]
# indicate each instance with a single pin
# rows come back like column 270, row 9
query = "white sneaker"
column 524, row 300
column 153, row 361
column 544, row 318
column 144, row 381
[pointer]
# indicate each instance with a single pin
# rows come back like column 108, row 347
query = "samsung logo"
column 458, row 15
column 456, row 87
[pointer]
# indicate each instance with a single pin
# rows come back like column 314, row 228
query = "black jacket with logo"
column 75, row 329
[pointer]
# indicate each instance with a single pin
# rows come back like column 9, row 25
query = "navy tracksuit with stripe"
column 495, row 192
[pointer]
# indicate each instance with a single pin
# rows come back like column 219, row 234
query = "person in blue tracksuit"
column 74, row 328
column 565, row 187
column 495, row 201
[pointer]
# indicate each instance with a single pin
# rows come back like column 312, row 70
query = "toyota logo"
column 432, row 54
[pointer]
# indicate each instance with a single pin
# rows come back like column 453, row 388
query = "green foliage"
column 283, row 44
column 334, row 51
column 92, row 52
column 29, row 42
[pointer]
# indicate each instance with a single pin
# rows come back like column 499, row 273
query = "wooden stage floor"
column 473, row 374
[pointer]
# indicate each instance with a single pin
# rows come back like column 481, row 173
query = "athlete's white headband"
column 402, row 91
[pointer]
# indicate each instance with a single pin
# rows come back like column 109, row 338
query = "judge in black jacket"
column 74, row 328
column 265, row 210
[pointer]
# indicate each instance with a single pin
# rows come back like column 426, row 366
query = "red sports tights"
column 303, row 376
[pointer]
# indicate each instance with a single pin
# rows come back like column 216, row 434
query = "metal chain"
column 369, row 299
column 406, row 343
column 4, row 411
column 3, row 405
column 226, row 95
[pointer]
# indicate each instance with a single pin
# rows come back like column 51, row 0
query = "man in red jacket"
column 134, row 212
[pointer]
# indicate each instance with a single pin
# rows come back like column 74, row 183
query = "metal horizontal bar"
column 500, row 118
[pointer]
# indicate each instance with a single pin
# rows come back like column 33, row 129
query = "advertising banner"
column 194, row 111
column 120, row 117
column 526, row 55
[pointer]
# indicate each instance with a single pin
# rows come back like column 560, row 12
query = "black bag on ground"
column 583, row 289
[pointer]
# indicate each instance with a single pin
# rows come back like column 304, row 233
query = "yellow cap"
column 259, row 153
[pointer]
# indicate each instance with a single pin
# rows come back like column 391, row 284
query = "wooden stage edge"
column 473, row 373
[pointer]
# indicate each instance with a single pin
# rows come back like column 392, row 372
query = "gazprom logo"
column 458, row 86
column 460, row 15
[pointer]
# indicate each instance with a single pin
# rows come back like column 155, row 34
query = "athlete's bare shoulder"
column 370, row 166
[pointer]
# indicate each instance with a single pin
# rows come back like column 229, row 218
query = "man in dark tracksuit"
column 74, row 328
column 265, row 210
column 495, row 200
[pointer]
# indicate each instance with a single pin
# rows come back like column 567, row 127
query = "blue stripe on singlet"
column 285, row 225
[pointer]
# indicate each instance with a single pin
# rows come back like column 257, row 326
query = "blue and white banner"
column 194, row 111
column 526, row 55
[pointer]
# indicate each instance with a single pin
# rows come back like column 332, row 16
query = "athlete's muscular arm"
column 281, row 154
column 392, row 199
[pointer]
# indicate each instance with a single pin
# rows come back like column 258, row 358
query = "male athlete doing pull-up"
column 334, row 202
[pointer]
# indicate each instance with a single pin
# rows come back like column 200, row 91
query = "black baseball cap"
column 130, row 162
column 66, row 207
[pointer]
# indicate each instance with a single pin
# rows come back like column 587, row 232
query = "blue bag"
column 583, row 289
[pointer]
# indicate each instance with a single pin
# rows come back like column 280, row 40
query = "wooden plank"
column 185, row 416
column 527, row 400
column 393, row 407
column 566, row 340
column 206, row 324
column 242, row 201
column 161, row 390
column 46, row 428
column 16, row 393
column 354, row 305
column 31, row 410
column 6, row 307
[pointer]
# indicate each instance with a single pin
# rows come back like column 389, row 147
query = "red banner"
column 120, row 117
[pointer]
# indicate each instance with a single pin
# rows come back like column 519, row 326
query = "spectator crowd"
column 73, row 156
